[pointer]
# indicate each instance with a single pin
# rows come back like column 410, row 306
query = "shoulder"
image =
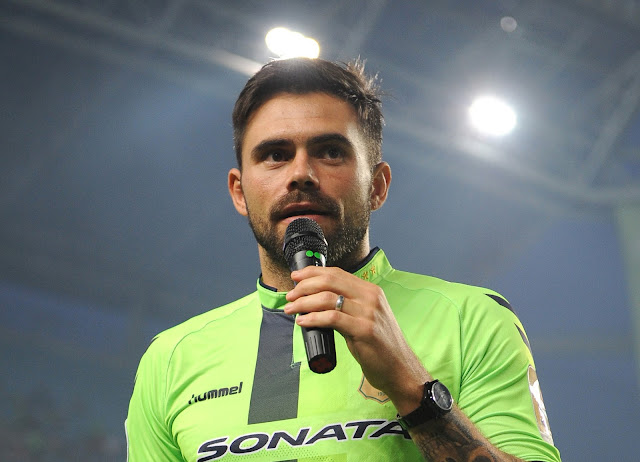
column 463, row 297
column 483, row 314
column 458, row 293
column 164, row 343
column 151, row 380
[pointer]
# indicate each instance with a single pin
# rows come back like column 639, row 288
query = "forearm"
column 376, row 341
column 454, row 438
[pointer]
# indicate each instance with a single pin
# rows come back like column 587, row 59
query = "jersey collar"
column 373, row 269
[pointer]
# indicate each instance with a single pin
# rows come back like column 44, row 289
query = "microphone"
column 305, row 245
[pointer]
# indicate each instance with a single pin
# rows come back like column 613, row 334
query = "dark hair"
column 346, row 81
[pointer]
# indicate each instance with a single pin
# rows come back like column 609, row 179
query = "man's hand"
column 368, row 326
column 377, row 343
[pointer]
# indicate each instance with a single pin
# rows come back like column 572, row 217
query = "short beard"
column 346, row 240
column 343, row 242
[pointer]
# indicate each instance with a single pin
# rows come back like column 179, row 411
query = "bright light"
column 508, row 24
column 289, row 44
column 491, row 116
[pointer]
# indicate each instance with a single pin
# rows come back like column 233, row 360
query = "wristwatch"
column 436, row 402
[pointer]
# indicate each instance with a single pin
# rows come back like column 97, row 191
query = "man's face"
column 304, row 155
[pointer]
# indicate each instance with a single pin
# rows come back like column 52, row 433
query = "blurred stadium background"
column 115, row 222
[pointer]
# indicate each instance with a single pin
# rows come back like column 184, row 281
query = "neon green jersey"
column 234, row 384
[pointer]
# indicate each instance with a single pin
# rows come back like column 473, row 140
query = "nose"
column 302, row 172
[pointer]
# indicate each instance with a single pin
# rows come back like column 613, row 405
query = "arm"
column 455, row 438
column 450, row 438
column 377, row 343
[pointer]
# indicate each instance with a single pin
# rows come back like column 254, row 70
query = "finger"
column 321, row 280
column 308, row 271
column 317, row 271
column 321, row 301
column 346, row 325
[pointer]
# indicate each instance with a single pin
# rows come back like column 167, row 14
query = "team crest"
column 370, row 392
column 538, row 406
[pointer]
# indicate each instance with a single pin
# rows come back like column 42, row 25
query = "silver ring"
column 339, row 303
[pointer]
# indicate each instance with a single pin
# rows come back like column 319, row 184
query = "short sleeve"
column 499, row 390
column 148, row 434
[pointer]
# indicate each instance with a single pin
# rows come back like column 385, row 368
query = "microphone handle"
column 319, row 343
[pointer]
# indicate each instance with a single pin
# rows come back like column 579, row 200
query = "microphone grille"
column 304, row 234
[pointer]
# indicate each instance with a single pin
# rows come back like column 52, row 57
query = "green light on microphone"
column 309, row 253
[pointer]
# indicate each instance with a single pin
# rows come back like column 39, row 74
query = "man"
column 234, row 382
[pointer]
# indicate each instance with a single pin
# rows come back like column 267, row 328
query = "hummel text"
column 216, row 393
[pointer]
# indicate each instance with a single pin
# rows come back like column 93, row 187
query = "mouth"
column 294, row 211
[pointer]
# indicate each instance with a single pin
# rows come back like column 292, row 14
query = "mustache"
column 321, row 203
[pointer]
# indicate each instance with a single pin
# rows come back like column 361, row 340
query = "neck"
column 274, row 273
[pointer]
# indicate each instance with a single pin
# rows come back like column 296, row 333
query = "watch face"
column 441, row 396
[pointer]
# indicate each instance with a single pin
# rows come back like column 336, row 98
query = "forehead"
column 297, row 117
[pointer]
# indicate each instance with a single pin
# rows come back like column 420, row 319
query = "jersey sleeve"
column 499, row 390
column 147, row 430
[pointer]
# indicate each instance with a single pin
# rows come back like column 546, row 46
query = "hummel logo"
column 219, row 393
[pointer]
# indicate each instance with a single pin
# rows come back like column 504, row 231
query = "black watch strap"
column 436, row 401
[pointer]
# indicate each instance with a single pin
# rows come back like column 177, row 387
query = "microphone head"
column 304, row 234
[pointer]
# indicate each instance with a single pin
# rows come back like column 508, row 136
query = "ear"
column 235, row 191
column 380, row 185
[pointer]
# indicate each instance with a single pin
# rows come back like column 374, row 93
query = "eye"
column 333, row 152
column 274, row 156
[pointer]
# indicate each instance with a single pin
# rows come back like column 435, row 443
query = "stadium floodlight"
column 492, row 116
column 290, row 44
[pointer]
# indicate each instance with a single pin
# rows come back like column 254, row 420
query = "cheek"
column 361, row 186
column 355, row 195
column 258, row 191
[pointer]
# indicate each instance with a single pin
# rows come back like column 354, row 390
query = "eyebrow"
column 314, row 140
column 330, row 137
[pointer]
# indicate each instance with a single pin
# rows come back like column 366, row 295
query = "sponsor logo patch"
column 370, row 392
column 538, row 406
column 251, row 443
